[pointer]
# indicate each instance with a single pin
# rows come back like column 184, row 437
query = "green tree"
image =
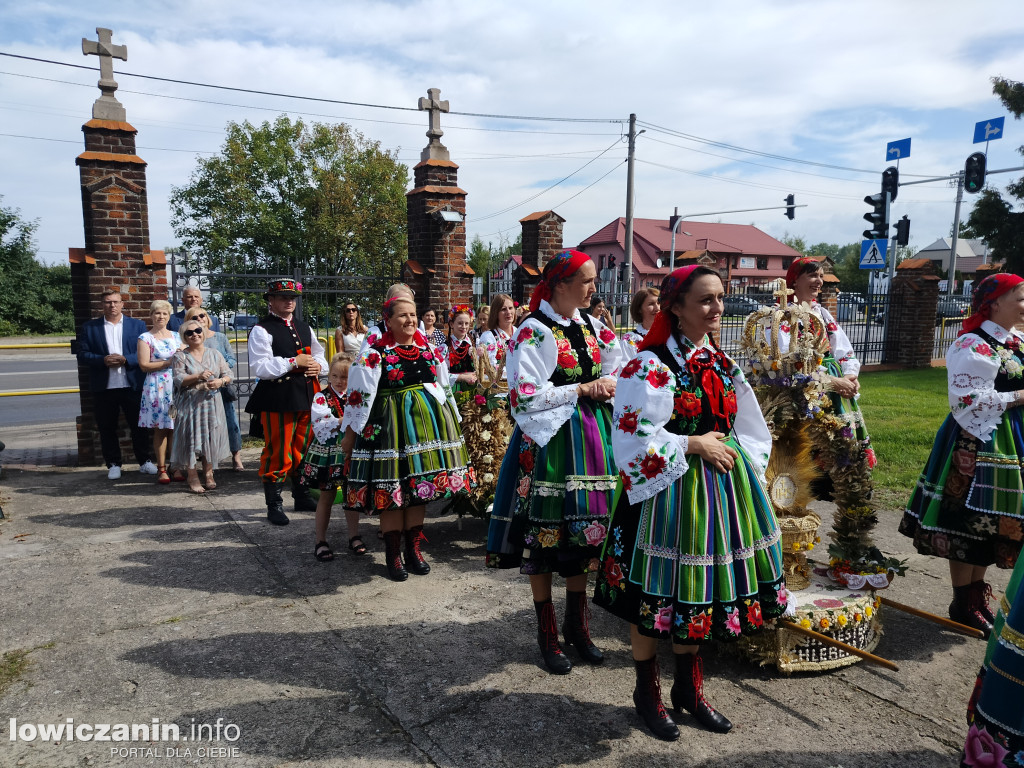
column 35, row 299
column 282, row 194
column 993, row 218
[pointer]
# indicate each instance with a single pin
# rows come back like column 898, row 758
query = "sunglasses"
column 351, row 309
column 193, row 332
column 199, row 317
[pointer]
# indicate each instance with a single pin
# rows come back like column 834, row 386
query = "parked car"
column 952, row 308
column 242, row 322
column 853, row 308
column 738, row 304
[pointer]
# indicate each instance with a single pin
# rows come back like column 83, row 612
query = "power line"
column 548, row 189
column 755, row 184
column 311, row 114
column 72, row 141
column 313, row 98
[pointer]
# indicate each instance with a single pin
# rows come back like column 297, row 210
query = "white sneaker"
column 149, row 468
column 114, row 473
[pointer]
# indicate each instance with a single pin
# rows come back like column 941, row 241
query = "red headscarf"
column 794, row 269
column 661, row 328
column 986, row 292
column 560, row 267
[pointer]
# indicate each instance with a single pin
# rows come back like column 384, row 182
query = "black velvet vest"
column 704, row 398
column 293, row 391
column 1004, row 382
column 575, row 364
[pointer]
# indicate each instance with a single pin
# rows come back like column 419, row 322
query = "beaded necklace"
column 407, row 354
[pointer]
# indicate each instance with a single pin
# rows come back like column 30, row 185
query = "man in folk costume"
column 287, row 359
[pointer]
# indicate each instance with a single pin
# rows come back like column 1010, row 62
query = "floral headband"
column 459, row 309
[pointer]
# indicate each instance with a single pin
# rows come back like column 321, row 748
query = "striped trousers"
column 285, row 436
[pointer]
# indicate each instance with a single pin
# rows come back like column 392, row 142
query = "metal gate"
column 236, row 299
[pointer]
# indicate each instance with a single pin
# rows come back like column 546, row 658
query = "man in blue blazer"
column 108, row 345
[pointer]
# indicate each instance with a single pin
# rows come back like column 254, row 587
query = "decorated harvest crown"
column 808, row 339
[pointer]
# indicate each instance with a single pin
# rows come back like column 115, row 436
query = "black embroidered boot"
column 688, row 694
column 964, row 610
column 576, row 627
column 275, row 507
column 547, row 638
column 414, row 562
column 301, row 500
column 647, row 698
column 982, row 595
column 393, row 556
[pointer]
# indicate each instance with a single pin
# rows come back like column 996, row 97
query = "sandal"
column 208, row 480
column 322, row 551
column 178, row 476
column 238, row 467
column 161, row 475
column 357, row 549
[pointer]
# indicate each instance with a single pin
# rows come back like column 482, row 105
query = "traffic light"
column 903, row 231
column 790, row 210
column 891, row 181
column 879, row 217
column 974, row 173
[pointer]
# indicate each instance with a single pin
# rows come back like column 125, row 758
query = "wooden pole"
column 943, row 622
column 870, row 657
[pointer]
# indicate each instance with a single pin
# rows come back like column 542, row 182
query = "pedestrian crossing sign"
column 872, row 254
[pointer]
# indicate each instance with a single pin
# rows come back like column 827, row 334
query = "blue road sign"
column 872, row 254
column 988, row 130
column 897, row 150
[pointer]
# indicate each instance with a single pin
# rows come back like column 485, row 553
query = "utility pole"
column 956, row 233
column 628, row 245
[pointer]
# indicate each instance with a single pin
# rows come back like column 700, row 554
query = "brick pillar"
column 437, row 268
column 913, row 300
column 829, row 296
column 542, row 239
column 116, row 254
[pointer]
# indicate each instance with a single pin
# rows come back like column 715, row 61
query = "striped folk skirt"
column 411, row 452
column 552, row 503
column 699, row 561
column 967, row 503
column 323, row 466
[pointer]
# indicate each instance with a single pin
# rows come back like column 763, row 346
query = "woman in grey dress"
column 200, row 430
column 222, row 344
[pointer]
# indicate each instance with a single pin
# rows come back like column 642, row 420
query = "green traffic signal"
column 974, row 173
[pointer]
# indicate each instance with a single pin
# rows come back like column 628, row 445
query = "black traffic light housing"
column 879, row 217
column 891, row 181
column 903, row 231
column 790, row 210
column 974, row 173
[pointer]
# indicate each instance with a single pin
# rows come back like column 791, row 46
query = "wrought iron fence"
column 237, row 300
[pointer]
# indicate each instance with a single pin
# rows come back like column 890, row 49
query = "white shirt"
column 117, row 377
column 263, row 364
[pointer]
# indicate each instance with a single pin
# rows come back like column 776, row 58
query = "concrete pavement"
column 136, row 601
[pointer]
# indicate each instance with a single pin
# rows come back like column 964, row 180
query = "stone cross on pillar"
column 106, row 107
column 435, row 150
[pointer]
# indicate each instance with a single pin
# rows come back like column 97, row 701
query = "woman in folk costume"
column 805, row 278
column 643, row 308
column 402, row 434
column 967, row 503
column 500, row 330
column 693, row 552
column 557, row 480
column 461, row 358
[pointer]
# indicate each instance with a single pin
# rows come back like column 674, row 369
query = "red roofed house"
column 744, row 256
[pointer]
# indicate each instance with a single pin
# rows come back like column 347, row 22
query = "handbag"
column 229, row 392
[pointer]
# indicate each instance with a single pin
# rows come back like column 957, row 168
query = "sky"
column 739, row 104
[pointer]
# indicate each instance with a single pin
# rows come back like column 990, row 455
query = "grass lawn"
column 903, row 411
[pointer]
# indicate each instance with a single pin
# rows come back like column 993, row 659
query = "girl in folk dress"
column 402, row 433
column 643, row 308
column 557, row 480
column 461, row 361
column 967, row 503
column 323, row 466
column 156, row 350
column 693, row 553
column 500, row 330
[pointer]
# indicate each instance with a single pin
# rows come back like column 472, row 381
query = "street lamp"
column 672, row 250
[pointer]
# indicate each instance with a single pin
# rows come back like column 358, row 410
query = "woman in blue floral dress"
column 557, row 480
column 693, row 552
column 156, row 349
